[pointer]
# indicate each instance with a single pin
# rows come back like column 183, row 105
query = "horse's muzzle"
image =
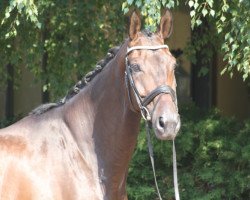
column 165, row 119
column 166, row 127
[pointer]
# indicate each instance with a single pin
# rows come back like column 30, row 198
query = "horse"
column 80, row 147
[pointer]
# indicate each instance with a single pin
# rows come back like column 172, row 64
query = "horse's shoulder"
column 21, row 138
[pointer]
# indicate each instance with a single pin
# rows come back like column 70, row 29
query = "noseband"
column 143, row 102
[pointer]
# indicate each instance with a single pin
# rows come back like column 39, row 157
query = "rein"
column 142, row 103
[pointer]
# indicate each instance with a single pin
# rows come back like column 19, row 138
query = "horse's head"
column 150, row 76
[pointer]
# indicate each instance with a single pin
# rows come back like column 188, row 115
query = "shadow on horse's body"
column 81, row 148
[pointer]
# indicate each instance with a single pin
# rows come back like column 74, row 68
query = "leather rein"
column 143, row 102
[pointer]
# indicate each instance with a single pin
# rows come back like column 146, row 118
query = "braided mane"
column 79, row 85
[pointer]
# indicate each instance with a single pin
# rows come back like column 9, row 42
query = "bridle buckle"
column 145, row 113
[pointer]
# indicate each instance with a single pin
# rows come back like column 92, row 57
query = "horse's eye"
column 135, row 68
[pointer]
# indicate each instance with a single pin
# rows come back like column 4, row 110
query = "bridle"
column 143, row 102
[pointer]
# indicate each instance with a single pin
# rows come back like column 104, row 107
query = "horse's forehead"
column 142, row 39
column 164, row 55
column 152, row 40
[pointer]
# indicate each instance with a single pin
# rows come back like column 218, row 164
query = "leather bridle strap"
column 161, row 89
column 151, row 156
column 176, row 188
column 146, row 48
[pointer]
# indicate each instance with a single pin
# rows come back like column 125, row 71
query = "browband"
column 146, row 48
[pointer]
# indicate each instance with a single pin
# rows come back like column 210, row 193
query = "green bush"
column 213, row 155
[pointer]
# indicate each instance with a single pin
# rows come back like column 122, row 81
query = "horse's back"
column 40, row 160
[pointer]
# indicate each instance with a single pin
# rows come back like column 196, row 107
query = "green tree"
column 58, row 41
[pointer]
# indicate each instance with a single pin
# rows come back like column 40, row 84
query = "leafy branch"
column 231, row 20
column 20, row 7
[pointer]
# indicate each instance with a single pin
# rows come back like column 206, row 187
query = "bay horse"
column 80, row 147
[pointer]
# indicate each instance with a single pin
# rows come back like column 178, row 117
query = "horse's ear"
column 135, row 25
column 166, row 25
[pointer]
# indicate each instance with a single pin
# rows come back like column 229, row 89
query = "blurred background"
column 46, row 46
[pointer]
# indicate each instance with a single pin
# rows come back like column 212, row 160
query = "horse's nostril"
column 161, row 122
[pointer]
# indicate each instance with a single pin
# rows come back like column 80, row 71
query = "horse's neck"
column 106, row 122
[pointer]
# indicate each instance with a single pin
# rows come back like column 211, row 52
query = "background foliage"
column 58, row 41
column 54, row 41
column 212, row 155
